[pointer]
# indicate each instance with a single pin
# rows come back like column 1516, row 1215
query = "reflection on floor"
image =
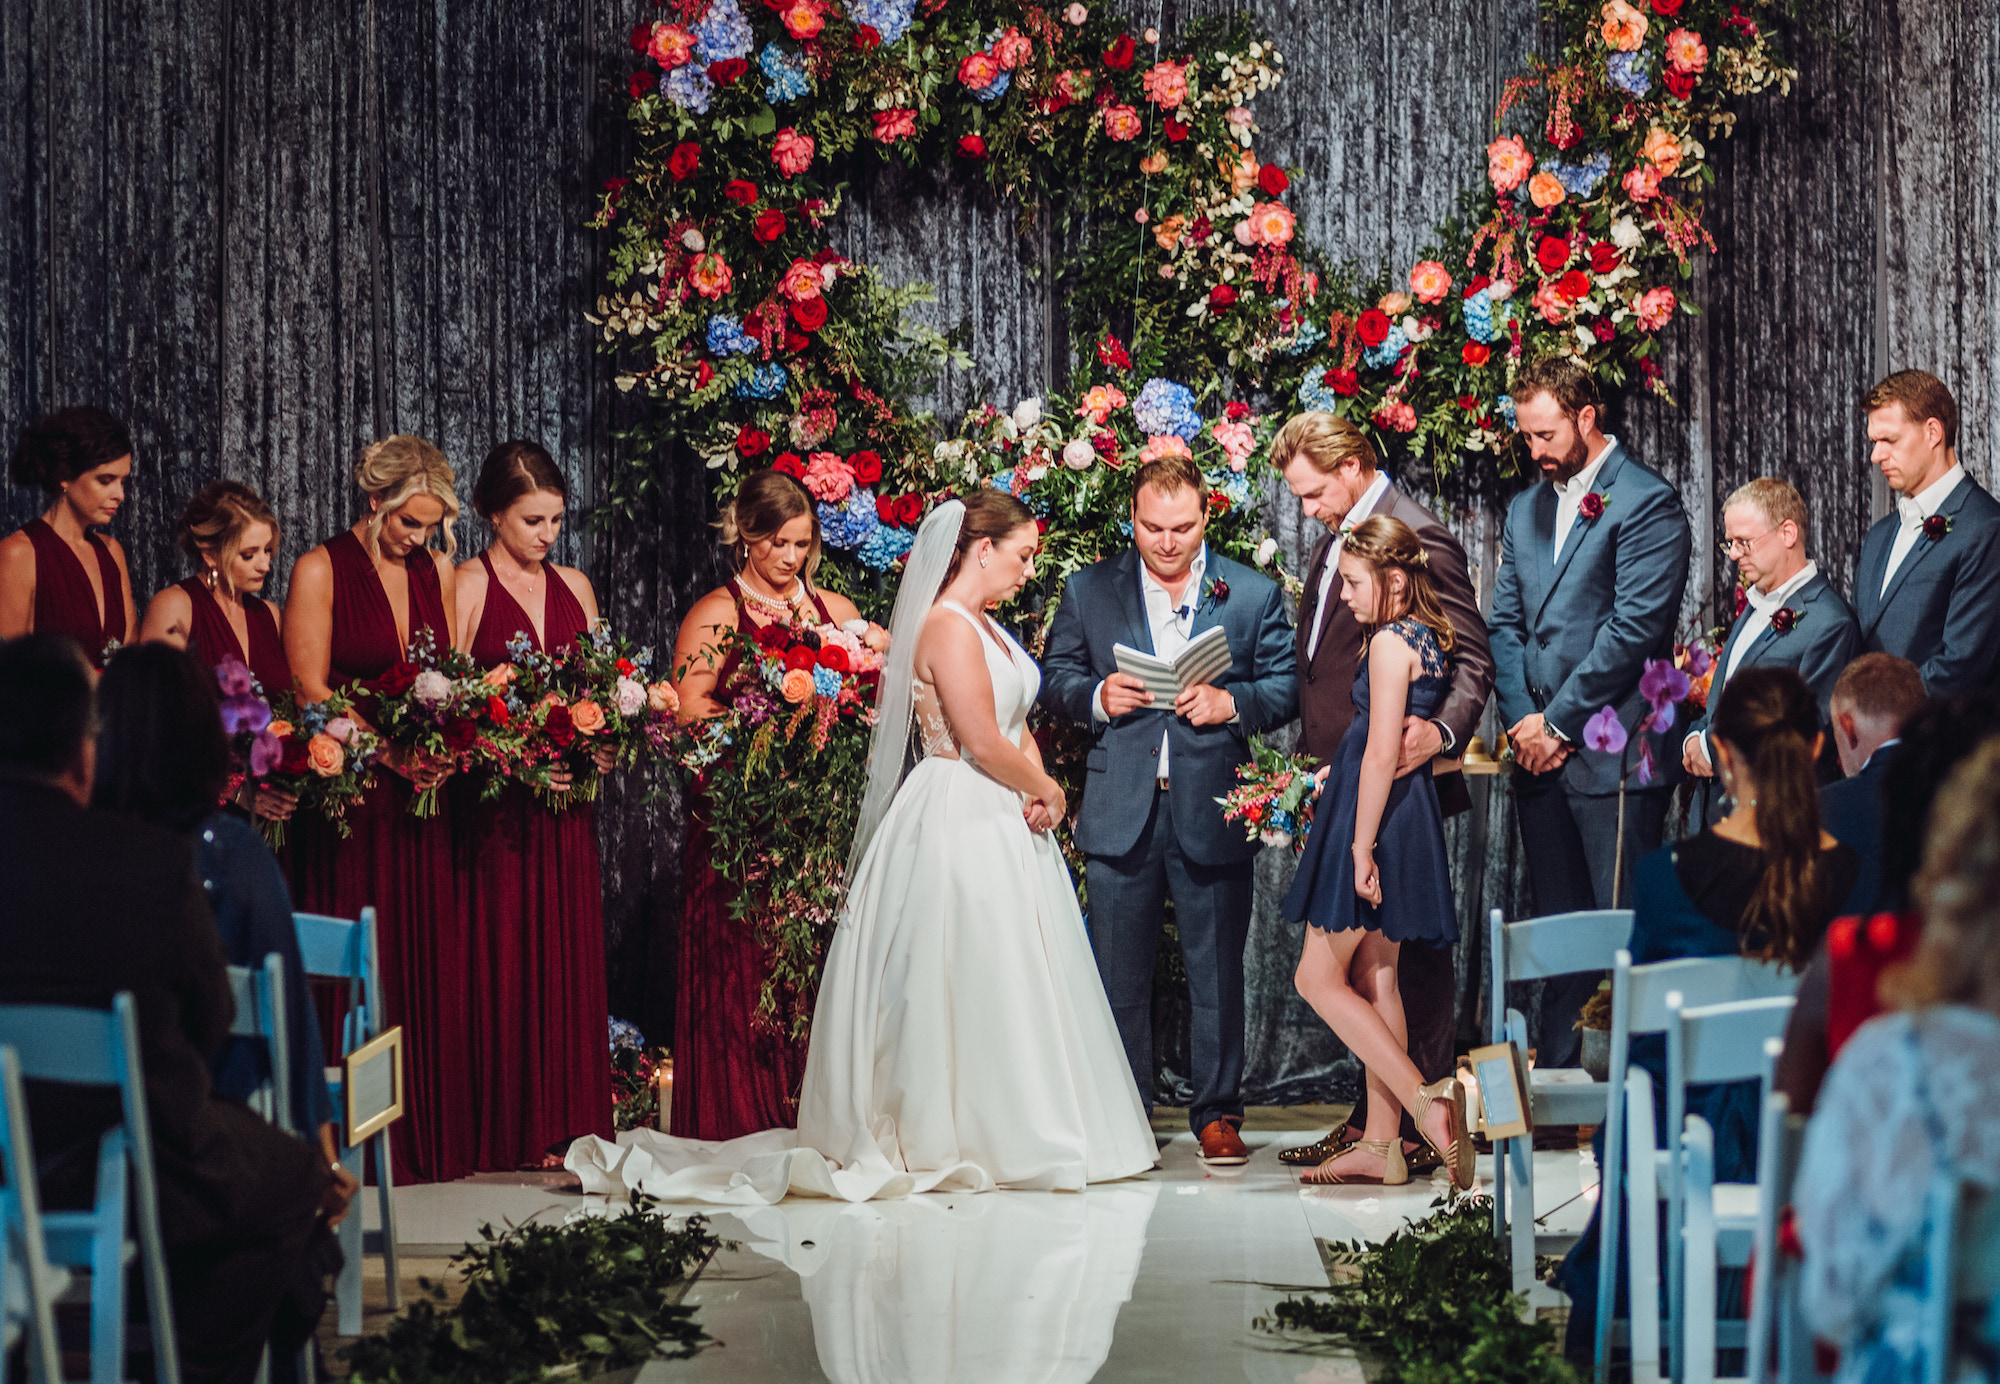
column 1157, row 1278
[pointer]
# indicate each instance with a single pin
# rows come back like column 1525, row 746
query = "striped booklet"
column 1206, row 658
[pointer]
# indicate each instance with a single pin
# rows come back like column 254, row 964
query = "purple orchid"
column 1646, row 773
column 1604, row 732
column 233, row 676
column 265, row 752
column 1699, row 660
column 245, row 712
column 1664, row 687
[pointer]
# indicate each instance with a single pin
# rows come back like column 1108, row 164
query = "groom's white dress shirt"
column 1171, row 623
column 1913, row 510
column 1363, row 508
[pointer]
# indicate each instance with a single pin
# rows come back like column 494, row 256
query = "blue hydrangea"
column 884, row 547
column 995, row 89
column 1580, row 179
column 789, row 74
column 1506, row 402
column 1283, row 822
column 1389, row 352
column 1304, row 339
column 726, row 337
column 826, row 682
column 765, row 382
column 1164, row 409
column 889, row 18
column 1004, row 482
column 722, row 34
column 1125, row 527
column 1479, row 317
column 847, row 525
column 1315, row 396
column 688, row 88
column 1628, row 72
column 627, row 1036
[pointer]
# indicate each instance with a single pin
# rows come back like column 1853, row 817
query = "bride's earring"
column 983, row 559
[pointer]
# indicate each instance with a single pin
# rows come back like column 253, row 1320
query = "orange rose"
column 1663, row 151
column 1168, row 233
column 1546, row 189
column 798, row 686
column 501, row 676
column 281, row 729
column 587, row 716
column 1624, row 27
column 1242, row 173
column 323, row 752
column 662, row 698
column 1154, row 163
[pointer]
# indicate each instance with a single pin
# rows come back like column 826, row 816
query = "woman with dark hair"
column 530, row 874
column 56, row 575
column 162, row 757
column 1763, row 882
column 731, row 1075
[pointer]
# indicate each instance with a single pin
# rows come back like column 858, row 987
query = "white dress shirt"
column 1756, row 619
column 1328, row 579
column 1913, row 510
column 1569, row 495
column 1171, row 623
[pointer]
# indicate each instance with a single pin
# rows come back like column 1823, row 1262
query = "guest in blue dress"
column 1374, row 873
column 1763, row 882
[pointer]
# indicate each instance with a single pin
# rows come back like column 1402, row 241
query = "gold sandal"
column 1395, row 1172
column 1312, row 1155
column 1459, row 1158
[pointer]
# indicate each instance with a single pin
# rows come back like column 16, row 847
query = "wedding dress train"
column 962, row 1040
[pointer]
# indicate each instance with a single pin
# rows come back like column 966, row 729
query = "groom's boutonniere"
column 1783, row 619
column 1218, row 591
column 1592, row 505
column 1937, row 526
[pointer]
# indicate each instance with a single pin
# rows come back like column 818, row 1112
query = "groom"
column 1150, row 826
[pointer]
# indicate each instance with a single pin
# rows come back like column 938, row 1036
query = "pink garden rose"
column 792, row 151
column 801, row 282
column 1655, row 308
column 1165, row 84
column 710, row 276
column 829, row 478
column 1642, row 184
column 1430, row 281
column 979, row 70
column 894, row 124
column 325, row 756
column 671, row 46
column 1686, row 51
column 1508, row 162
column 1122, row 123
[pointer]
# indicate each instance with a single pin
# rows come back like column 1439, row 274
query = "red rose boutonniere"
column 1592, row 506
column 1218, row 591
column 1783, row 619
column 1937, row 526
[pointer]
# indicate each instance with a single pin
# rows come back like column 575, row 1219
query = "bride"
column 962, row 1040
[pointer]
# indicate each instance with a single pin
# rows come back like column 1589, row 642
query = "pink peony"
column 432, row 688
column 1430, row 281
column 1271, row 223
column 710, row 275
column 1655, row 308
column 1238, row 441
column 801, row 282
column 671, row 46
column 1164, row 446
column 1165, row 84
column 1642, row 184
column 631, row 697
column 1122, row 123
column 1508, row 162
column 1099, row 401
column 342, row 728
column 1686, row 51
column 892, row 125
column 979, row 70
column 1078, row 455
column 828, row 477
column 1013, row 49
column 792, row 151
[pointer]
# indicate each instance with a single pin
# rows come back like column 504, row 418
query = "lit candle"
column 663, row 1081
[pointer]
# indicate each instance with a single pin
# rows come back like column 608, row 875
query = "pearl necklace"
column 775, row 606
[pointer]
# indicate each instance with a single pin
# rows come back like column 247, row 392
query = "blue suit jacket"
column 1572, row 631
column 1822, row 640
column 1102, row 606
column 1851, row 811
column 1942, row 608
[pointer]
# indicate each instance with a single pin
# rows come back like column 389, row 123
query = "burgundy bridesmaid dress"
column 535, row 898
column 64, row 602
column 211, row 638
column 732, row 1076
column 404, row 867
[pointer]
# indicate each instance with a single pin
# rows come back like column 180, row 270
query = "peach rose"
column 1164, row 446
column 1394, row 304
column 1242, row 173
column 1508, row 162
column 1545, row 190
column 876, row 638
column 1165, row 84
column 1642, row 184
column 501, row 675
column 1655, row 308
column 1272, row 223
column 587, row 716
column 1154, row 163
column 281, row 729
column 801, row 281
column 1122, row 123
column 1686, row 51
column 1430, row 281
column 323, row 752
column 1624, row 27
column 1663, row 151
column 662, row 698
column 798, row 685
column 1169, row 232
column 792, row 151
column 710, row 275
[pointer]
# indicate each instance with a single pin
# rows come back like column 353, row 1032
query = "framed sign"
column 1505, row 1112
column 372, row 1081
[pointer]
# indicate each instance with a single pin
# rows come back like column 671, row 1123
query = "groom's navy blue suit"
column 1142, row 842
column 1942, row 608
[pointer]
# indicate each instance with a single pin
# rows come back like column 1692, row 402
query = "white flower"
column 1266, row 550
column 857, row 628
column 1076, row 14
column 631, row 697
column 1626, row 235
column 1027, row 413
column 691, row 238
column 432, row 688
column 1079, row 455
column 1275, row 838
column 1499, row 291
column 1414, row 328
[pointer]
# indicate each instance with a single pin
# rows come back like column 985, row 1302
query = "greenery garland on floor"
column 550, row 1302
column 1432, row 1304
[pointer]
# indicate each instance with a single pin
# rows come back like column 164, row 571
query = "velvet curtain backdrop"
column 266, row 233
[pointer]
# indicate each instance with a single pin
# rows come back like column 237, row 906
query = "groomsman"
column 1592, row 567
column 1330, row 467
column 1927, row 587
column 1792, row 618
column 1150, row 825
column 1876, row 694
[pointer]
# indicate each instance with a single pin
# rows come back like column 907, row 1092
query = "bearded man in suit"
column 1330, row 467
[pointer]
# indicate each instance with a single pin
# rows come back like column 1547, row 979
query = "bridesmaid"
column 529, row 873
column 231, row 536
column 356, row 603
column 56, row 576
column 730, row 1076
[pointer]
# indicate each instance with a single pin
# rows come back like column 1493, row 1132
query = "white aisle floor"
column 1157, row 1278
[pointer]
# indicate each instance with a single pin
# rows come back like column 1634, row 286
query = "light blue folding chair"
column 27, row 1259
column 344, row 949
column 1779, row 1137
column 96, row 1047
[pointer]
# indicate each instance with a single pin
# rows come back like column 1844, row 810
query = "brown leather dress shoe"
column 1222, row 1145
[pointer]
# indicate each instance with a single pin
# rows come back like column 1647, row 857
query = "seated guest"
column 1876, row 694
column 161, row 754
column 1792, row 617
column 1839, row 991
column 241, row 1204
column 1764, row 882
column 1915, row 1094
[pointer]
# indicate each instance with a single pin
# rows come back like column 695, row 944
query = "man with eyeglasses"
column 1791, row 616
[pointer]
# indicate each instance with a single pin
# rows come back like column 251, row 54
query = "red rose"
column 1470, row 402
column 796, row 342
column 558, row 727
column 1475, row 353
column 396, row 679
column 1680, row 83
column 642, row 38
column 1937, row 526
column 789, row 463
column 771, row 638
column 497, row 712
column 1783, row 618
column 1667, row 7
column 1591, row 506
column 1604, row 329
column 751, row 442
column 1236, row 410
column 1343, row 382
column 1218, row 503
column 1221, row 296
column 867, row 37
column 1574, row 285
column 1478, row 285
column 684, row 160
column 292, row 755
column 1273, row 180
column 800, row 657
column 887, row 507
column 1111, row 353
column 834, row 657
column 972, row 147
column 640, row 85
column 727, row 71
column 810, row 313
column 1118, row 57
column 740, row 191
column 1177, row 130
column 459, row 734
column 1604, row 255
column 703, row 375
column 1372, row 327
column 769, row 225
column 910, row 510
column 866, row 466
column 1552, row 253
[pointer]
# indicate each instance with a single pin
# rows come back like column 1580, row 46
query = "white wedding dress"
column 962, row 1040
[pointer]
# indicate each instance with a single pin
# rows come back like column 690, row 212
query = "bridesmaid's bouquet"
column 326, row 759
column 427, row 705
column 566, row 707
column 1274, row 801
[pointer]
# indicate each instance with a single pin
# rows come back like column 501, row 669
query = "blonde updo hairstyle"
column 988, row 514
column 765, row 502
column 215, row 520
column 395, row 471
column 1386, row 543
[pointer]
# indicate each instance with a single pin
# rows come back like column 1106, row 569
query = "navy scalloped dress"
column 1417, row 904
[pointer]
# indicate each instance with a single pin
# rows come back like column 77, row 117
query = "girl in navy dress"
column 1374, row 872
